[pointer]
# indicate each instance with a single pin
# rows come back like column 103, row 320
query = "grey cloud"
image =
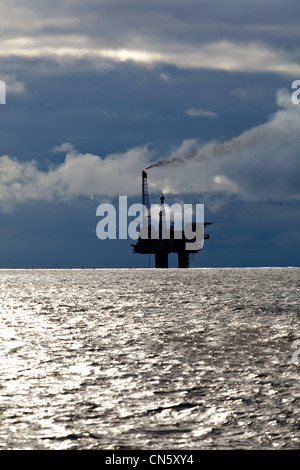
column 12, row 84
column 252, row 35
column 192, row 21
column 200, row 112
column 239, row 93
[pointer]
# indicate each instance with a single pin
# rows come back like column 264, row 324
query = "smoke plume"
column 209, row 150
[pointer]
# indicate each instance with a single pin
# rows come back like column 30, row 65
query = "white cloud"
column 261, row 163
column 239, row 93
column 215, row 55
column 200, row 112
column 225, row 184
column 79, row 175
column 165, row 77
column 64, row 147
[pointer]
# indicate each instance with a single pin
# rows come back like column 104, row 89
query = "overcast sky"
column 97, row 90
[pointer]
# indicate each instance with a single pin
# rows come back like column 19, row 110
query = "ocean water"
column 150, row 359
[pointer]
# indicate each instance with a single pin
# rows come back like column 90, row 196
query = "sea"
column 204, row 358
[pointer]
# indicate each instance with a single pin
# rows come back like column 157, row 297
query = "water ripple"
column 149, row 359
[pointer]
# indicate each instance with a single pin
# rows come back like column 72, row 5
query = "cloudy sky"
column 97, row 90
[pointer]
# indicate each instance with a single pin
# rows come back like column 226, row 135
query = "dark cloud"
column 189, row 21
column 111, row 82
column 248, row 35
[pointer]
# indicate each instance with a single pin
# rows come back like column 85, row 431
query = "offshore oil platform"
column 156, row 242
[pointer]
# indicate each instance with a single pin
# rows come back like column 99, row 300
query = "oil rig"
column 156, row 242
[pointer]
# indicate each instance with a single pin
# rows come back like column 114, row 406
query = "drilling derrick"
column 153, row 241
column 145, row 200
column 145, row 192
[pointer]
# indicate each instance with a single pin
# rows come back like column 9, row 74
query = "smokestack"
column 145, row 200
column 162, row 218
